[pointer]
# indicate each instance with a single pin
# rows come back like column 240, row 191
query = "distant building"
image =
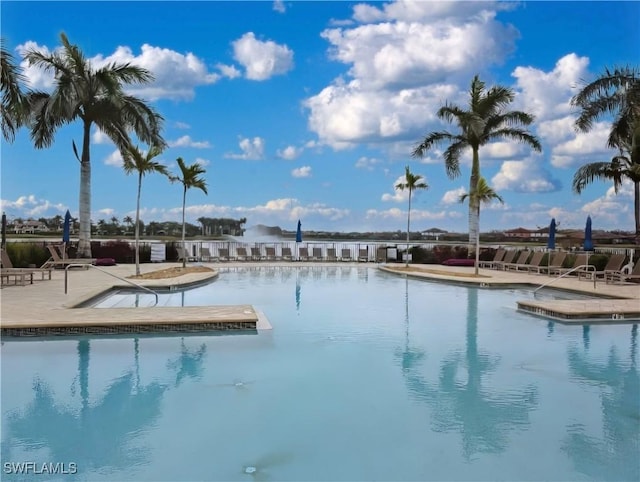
column 30, row 227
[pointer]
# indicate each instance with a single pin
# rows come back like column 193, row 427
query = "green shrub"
column 24, row 254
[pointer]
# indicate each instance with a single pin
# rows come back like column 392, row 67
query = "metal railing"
column 584, row 267
column 86, row 265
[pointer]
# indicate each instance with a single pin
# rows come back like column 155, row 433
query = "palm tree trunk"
column 636, row 205
column 473, row 202
column 478, row 243
column 184, row 248
column 138, row 225
column 408, row 226
column 84, row 239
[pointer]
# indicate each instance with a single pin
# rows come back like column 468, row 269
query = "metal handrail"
column 66, row 275
column 572, row 270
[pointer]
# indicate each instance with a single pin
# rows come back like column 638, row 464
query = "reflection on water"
column 365, row 376
column 619, row 385
column 483, row 416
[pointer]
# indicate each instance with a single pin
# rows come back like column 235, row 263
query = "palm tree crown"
column 189, row 178
column 93, row 96
column 136, row 161
column 412, row 182
column 486, row 120
column 615, row 93
column 13, row 105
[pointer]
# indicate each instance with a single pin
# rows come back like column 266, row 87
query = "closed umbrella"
column 4, row 230
column 551, row 241
column 298, row 235
column 588, row 241
column 66, row 231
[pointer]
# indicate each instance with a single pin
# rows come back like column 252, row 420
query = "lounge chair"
column 286, row 254
column 381, row 255
column 256, row 255
column 509, row 256
column 8, row 269
column 534, row 262
column 241, row 253
column 621, row 276
column 19, row 276
column 363, row 255
column 331, row 254
column 580, row 260
column 613, row 265
column 345, row 255
column 183, row 254
column 271, row 254
column 496, row 258
column 56, row 261
column 223, row 254
column 317, row 254
column 521, row 261
column 303, row 254
column 555, row 262
column 205, row 255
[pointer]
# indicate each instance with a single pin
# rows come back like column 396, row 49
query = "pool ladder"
column 86, row 265
column 585, row 267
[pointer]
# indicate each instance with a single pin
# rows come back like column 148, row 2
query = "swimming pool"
column 365, row 376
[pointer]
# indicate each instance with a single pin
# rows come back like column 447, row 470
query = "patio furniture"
column 345, row 255
column 622, row 276
column 614, row 264
column 56, row 261
column 496, row 258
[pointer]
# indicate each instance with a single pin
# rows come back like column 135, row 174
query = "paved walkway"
column 45, row 303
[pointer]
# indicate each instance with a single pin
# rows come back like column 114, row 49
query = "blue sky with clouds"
column 310, row 110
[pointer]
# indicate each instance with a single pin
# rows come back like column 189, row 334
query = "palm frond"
column 430, row 141
column 519, row 135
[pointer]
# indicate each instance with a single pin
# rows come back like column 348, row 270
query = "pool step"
column 581, row 311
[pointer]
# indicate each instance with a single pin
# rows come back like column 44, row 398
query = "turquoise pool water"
column 365, row 376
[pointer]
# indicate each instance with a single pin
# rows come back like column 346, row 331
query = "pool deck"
column 43, row 307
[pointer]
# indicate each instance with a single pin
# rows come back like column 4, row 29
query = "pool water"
column 365, row 376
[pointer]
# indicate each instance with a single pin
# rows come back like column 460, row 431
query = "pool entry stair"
column 581, row 311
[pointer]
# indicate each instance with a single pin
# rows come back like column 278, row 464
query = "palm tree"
column 485, row 121
column 94, row 96
column 614, row 93
column 136, row 161
column 13, row 107
column 190, row 177
column 128, row 220
column 483, row 193
column 412, row 182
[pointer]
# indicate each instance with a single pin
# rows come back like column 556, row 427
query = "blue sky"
column 310, row 110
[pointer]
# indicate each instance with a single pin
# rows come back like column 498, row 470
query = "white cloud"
column 186, row 141
column 289, row 153
column 99, row 137
column 304, row 171
column 252, row 149
column 114, row 159
column 501, row 150
column 399, row 214
column 556, row 130
column 412, row 11
column 367, row 163
column 203, row 162
column 592, row 144
column 611, row 207
column 176, row 75
column 101, row 213
column 31, row 206
column 524, row 176
column 278, row 6
column 262, row 60
column 182, row 125
column 453, row 196
column 547, row 94
column 229, row 71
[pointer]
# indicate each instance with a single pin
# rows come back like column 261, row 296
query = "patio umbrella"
column 588, row 242
column 66, row 230
column 298, row 236
column 4, row 230
column 551, row 241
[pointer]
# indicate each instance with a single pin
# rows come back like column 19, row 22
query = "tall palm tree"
column 485, row 120
column 136, row 161
column 483, row 193
column 412, row 182
column 13, row 104
column 189, row 177
column 615, row 93
column 128, row 220
column 93, row 96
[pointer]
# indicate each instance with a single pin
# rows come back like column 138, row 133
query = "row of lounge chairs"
column 270, row 254
column 614, row 271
